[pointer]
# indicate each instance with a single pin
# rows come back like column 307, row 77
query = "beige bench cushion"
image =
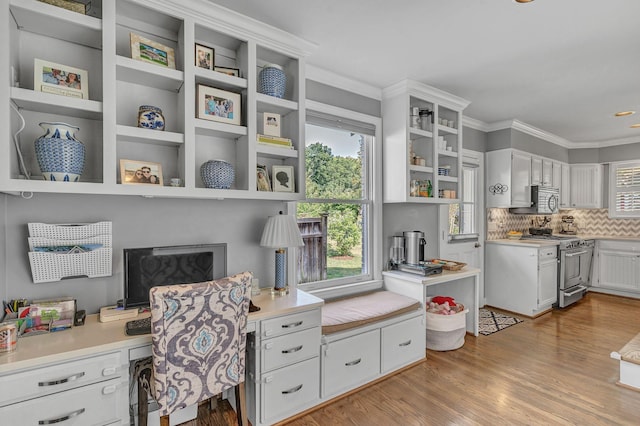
column 631, row 351
column 351, row 312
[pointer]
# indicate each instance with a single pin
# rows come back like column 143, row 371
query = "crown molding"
column 531, row 130
column 475, row 124
column 422, row 90
column 607, row 143
column 344, row 83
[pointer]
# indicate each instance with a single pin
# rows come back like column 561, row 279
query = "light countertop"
column 548, row 243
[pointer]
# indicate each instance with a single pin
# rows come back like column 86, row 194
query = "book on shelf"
column 273, row 145
column 274, row 140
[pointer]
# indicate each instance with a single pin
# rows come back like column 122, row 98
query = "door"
column 461, row 226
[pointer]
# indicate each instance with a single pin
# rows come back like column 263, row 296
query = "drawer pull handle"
column 61, row 419
column 292, row 324
column 292, row 390
column 60, row 381
column 355, row 362
column 407, row 343
column 296, row 349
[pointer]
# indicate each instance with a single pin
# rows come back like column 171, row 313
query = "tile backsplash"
column 589, row 221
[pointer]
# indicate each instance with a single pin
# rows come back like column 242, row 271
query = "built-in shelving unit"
column 425, row 153
column 119, row 85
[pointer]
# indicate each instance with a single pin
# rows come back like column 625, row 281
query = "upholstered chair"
column 198, row 342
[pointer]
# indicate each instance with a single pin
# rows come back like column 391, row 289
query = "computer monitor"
column 157, row 266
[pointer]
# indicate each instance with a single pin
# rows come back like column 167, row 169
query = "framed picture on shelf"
column 271, row 124
column 218, row 105
column 204, row 56
column 49, row 77
column 262, row 178
column 150, row 51
column 235, row 72
column 283, row 179
column 137, row 172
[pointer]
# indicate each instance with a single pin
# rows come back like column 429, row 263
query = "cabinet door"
column 565, row 185
column 547, row 283
column 556, row 174
column 536, row 171
column 619, row 270
column 586, row 182
column 520, row 180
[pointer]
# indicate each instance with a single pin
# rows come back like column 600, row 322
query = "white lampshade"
column 281, row 231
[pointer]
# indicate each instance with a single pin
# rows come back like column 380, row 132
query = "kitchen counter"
column 548, row 243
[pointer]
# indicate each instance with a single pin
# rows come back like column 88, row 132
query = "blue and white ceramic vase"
column 272, row 81
column 217, row 174
column 150, row 117
column 59, row 154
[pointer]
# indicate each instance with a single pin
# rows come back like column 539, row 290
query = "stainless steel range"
column 574, row 257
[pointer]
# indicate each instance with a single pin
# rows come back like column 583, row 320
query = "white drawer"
column 290, row 323
column 403, row 343
column 290, row 348
column 55, row 378
column 94, row 404
column 350, row 362
column 289, row 390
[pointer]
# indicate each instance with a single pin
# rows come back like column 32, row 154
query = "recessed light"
column 635, row 126
column 524, row 1
column 624, row 113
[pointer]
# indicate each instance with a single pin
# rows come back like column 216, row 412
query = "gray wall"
column 475, row 140
column 398, row 218
column 341, row 98
column 500, row 139
column 137, row 222
column 584, row 155
column 510, row 138
column 619, row 153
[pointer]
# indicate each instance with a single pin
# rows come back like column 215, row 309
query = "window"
column 463, row 216
column 338, row 218
column 624, row 189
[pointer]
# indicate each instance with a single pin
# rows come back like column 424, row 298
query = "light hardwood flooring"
column 551, row 370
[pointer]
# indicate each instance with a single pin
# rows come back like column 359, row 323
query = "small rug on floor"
column 492, row 322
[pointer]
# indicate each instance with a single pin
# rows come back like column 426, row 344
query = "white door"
column 461, row 226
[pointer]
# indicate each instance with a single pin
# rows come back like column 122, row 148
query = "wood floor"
column 552, row 370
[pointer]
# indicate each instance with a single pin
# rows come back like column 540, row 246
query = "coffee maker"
column 407, row 254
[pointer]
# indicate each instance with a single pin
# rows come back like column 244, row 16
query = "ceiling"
column 561, row 66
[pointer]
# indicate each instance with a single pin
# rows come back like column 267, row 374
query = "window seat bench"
column 629, row 357
column 368, row 336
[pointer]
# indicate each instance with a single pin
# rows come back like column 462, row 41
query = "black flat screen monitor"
column 157, row 266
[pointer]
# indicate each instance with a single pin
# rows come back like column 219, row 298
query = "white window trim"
column 613, row 167
column 375, row 184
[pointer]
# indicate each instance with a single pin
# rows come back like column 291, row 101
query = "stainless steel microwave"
column 544, row 200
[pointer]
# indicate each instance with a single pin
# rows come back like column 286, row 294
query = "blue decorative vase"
column 59, row 154
column 272, row 81
column 217, row 174
column 150, row 117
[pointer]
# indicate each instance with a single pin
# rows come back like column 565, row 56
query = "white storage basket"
column 446, row 332
column 69, row 231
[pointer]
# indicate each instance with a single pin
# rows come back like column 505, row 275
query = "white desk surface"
column 97, row 337
column 444, row 277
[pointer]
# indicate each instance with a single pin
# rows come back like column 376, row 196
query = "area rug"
column 492, row 322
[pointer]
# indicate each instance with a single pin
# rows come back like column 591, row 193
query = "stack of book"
column 274, row 141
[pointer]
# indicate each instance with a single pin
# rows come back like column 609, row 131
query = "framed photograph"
column 235, row 72
column 218, row 105
column 204, row 56
column 271, row 124
column 50, row 77
column 136, row 172
column 283, row 179
column 262, row 178
column 147, row 50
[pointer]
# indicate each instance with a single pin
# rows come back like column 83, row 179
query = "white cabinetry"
column 508, row 178
column 617, row 266
column 82, row 391
column 521, row 278
column 283, row 367
column 586, row 186
column 536, row 171
column 565, row 185
column 438, row 144
column 118, row 85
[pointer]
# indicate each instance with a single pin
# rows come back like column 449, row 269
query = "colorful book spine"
column 273, row 140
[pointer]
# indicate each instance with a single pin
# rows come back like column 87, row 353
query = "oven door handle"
column 577, row 253
column 580, row 289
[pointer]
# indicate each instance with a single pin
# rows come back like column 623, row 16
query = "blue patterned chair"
column 198, row 342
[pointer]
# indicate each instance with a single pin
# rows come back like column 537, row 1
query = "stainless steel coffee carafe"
column 414, row 243
column 396, row 254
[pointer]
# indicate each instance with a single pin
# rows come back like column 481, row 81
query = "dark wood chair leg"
column 143, row 405
column 241, row 404
column 164, row 421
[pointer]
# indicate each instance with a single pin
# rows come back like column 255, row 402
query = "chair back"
column 198, row 339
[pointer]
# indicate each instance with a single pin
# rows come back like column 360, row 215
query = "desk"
column 448, row 283
column 105, row 351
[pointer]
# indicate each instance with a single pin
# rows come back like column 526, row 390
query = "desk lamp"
column 281, row 232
